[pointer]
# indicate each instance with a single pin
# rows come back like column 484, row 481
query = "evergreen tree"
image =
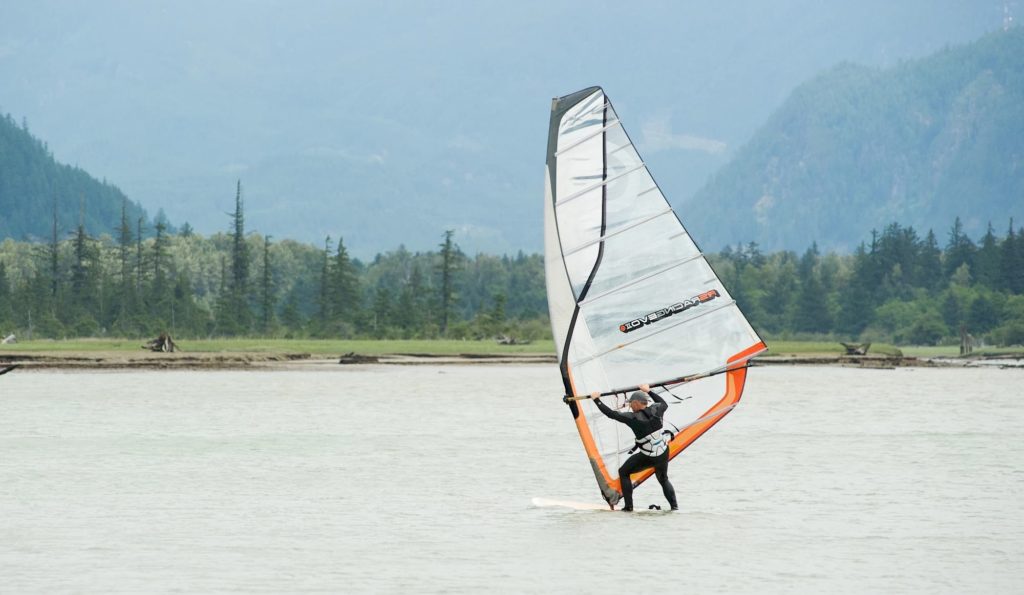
column 1011, row 262
column 753, row 255
column 54, row 257
column 930, row 264
column 124, row 244
column 239, row 248
column 781, row 286
column 239, row 280
column 986, row 260
column 982, row 315
column 139, row 275
column 952, row 309
column 266, row 291
column 811, row 314
column 731, row 273
column 409, row 313
column 84, row 279
column 6, row 303
column 344, row 287
column 897, row 258
column 446, row 270
column 291, row 317
column 382, row 310
column 160, row 301
column 959, row 251
column 858, row 300
column 324, row 301
column 495, row 317
column 1017, row 281
column 225, row 319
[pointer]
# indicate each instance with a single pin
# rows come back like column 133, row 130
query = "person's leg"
column 661, row 472
column 632, row 465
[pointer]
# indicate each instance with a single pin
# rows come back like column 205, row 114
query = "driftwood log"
column 9, row 340
column 164, row 343
column 507, row 340
column 7, row 368
column 856, row 348
column 354, row 358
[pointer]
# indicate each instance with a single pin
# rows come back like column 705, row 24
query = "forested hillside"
column 31, row 180
column 858, row 147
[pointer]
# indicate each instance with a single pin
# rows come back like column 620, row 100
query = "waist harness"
column 653, row 444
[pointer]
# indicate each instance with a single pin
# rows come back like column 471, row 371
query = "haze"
column 388, row 122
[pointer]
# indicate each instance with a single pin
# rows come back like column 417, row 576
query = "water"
column 381, row 479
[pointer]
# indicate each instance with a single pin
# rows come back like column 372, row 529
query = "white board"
column 569, row 504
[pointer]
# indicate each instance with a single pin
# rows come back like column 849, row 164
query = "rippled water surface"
column 374, row 478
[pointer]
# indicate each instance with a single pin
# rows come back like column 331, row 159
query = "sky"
column 386, row 123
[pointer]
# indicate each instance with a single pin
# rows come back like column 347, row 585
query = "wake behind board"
column 548, row 503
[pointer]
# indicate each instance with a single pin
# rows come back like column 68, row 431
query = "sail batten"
column 646, row 277
column 604, row 182
column 586, row 138
column 576, row 249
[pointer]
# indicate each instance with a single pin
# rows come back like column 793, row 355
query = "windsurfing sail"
column 631, row 297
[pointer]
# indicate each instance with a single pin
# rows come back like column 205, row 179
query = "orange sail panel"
column 631, row 297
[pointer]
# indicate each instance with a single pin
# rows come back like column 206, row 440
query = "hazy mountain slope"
column 30, row 181
column 390, row 121
column 858, row 147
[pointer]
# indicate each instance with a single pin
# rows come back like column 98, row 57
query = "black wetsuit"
column 643, row 423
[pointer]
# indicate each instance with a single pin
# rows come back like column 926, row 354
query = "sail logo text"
column 663, row 313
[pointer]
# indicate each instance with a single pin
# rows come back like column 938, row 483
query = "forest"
column 138, row 281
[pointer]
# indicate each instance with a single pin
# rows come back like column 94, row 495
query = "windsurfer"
column 651, row 448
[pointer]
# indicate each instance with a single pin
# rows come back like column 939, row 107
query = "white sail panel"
column 634, row 300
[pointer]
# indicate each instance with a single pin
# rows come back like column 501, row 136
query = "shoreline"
column 120, row 360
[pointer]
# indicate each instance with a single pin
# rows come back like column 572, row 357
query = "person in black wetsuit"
column 651, row 442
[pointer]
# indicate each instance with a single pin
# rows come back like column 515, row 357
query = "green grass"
column 313, row 346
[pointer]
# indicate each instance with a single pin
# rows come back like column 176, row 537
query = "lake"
column 420, row 478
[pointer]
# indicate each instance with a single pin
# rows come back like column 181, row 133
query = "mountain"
column 856, row 148
column 31, row 180
column 388, row 122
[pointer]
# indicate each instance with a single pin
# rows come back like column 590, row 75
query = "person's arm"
column 660, row 406
column 596, row 396
column 653, row 395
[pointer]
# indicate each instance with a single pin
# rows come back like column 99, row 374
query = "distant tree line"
column 139, row 282
column 900, row 288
